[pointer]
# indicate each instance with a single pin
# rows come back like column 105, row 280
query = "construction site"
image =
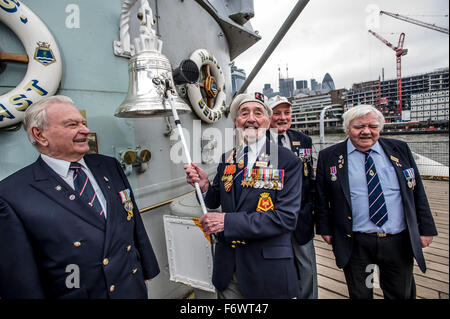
column 397, row 98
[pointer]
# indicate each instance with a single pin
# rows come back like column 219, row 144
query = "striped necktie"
column 84, row 188
column 281, row 139
column 240, row 175
column 377, row 205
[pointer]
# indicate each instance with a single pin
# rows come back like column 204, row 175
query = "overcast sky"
column 331, row 36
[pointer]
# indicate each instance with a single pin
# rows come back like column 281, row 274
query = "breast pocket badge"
column 265, row 203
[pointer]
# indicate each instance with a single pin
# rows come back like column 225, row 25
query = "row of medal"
column 128, row 204
column 267, row 178
column 410, row 177
column 333, row 170
column 305, row 156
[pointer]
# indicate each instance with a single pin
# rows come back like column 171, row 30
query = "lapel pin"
column 58, row 188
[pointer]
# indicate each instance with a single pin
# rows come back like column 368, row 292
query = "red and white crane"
column 399, row 52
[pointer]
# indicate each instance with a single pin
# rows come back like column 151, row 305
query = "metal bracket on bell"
column 147, row 39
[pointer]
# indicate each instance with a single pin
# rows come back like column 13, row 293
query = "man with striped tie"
column 372, row 207
column 69, row 224
column 258, row 186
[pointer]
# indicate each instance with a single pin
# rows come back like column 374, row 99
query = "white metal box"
column 189, row 253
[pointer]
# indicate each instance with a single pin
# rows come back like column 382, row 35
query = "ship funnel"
column 149, row 71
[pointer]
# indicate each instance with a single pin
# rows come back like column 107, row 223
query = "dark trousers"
column 394, row 258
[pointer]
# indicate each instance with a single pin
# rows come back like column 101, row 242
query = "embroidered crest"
column 264, row 203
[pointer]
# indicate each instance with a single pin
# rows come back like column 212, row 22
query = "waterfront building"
column 306, row 111
column 430, row 106
column 383, row 94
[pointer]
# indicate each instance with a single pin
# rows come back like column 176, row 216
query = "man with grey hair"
column 258, row 186
column 372, row 207
column 69, row 223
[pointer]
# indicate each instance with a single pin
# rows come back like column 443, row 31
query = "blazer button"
column 134, row 271
column 349, row 217
column 112, row 288
column 77, row 244
column 105, row 262
column 128, row 248
column 348, row 235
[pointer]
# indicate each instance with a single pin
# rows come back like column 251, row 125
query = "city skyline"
column 339, row 44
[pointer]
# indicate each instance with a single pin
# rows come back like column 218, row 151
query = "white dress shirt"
column 61, row 167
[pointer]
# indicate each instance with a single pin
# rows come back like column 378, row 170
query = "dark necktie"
column 281, row 139
column 240, row 175
column 84, row 188
column 377, row 205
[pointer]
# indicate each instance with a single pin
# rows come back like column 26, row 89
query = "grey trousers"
column 232, row 291
column 305, row 260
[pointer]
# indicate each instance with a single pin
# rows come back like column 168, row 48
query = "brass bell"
column 147, row 72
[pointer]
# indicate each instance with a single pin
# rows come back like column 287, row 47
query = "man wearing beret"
column 302, row 239
column 258, row 186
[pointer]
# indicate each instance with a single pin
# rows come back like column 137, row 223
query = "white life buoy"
column 44, row 67
column 214, row 86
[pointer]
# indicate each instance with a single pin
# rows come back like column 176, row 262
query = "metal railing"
column 431, row 157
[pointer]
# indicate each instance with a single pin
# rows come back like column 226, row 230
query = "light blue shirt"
column 359, row 194
column 61, row 167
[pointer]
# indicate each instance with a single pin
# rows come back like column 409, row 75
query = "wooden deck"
column 430, row 285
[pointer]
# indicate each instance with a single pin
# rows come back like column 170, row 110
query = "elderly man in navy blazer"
column 69, row 223
column 371, row 206
column 302, row 239
column 258, row 186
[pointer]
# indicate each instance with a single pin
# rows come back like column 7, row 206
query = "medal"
column 341, row 161
column 410, row 177
column 305, row 169
column 333, row 173
column 128, row 204
column 228, row 185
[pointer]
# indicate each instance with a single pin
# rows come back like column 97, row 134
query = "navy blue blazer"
column 46, row 230
column 304, row 232
column 257, row 245
column 333, row 210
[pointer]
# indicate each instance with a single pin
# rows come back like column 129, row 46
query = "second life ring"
column 44, row 62
column 213, row 86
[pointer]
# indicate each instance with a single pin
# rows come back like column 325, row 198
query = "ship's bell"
column 148, row 71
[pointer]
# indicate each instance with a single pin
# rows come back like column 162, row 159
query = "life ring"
column 213, row 85
column 44, row 62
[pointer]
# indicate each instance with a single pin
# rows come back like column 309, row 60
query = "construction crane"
column 414, row 21
column 399, row 52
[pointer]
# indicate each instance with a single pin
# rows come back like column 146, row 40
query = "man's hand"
column 327, row 239
column 212, row 223
column 426, row 241
column 195, row 174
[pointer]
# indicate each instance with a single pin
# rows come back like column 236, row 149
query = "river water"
column 433, row 146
